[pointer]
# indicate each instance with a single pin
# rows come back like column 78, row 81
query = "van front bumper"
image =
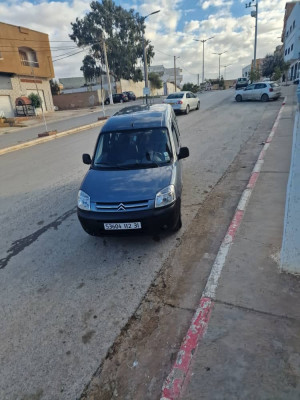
column 152, row 221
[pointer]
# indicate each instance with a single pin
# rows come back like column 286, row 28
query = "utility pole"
column 203, row 41
column 37, row 92
column 198, row 79
column 107, row 71
column 175, row 72
column 254, row 14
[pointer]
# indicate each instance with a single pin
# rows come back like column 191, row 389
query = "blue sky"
column 171, row 32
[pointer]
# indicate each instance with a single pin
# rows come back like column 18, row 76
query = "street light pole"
column 219, row 54
column 203, row 41
column 254, row 14
column 225, row 66
column 145, row 55
column 175, row 72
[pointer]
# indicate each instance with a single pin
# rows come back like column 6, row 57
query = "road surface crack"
column 20, row 244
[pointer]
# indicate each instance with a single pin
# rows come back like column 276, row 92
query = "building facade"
column 291, row 38
column 246, row 71
column 167, row 74
column 25, row 67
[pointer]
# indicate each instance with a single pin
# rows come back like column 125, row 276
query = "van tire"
column 238, row 98
column 264, row 97
column 178, row 225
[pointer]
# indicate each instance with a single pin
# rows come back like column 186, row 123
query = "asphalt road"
column 11, row 136
column 65, row 296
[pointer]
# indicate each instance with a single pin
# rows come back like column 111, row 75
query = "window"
column 285, row 52
column 28, row 57
column 289, row 51
column 294, row 23
column 290, row 28
column 292, row 46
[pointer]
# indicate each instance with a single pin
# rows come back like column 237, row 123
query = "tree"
column 36, row 100
column 89, row 69
column 55, row 89
column 270, row 63
column 277, row 74
column 122, row 31
column 254, row 75
column 190, row 87
column 156, row 82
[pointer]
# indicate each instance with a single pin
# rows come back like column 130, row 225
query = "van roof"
column 141, row 116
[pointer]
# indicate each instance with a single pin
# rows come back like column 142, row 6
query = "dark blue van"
column 134, row 181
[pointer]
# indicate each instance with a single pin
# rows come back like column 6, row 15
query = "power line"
column 70, row 55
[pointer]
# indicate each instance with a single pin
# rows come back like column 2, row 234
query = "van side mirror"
column 86, row 158
column 183, row 153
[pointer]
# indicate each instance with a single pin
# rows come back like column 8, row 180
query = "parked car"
column 130, row 95
column 241, row 83
column 263, row 91
column 135, row 178
column 183, row 101
column 117, row 98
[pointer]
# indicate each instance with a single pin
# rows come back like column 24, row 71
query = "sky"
column 172, row 32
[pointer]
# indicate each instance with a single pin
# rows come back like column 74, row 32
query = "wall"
column 77, row 100
column 290, row 252
column 22, row 86
column 137, row 88
column 14, row 37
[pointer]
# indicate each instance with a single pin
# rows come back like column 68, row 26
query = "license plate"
column 116, row 226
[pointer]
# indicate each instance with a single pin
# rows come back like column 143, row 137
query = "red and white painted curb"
column 177, row 379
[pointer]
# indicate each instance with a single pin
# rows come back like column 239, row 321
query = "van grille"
column 124, row 206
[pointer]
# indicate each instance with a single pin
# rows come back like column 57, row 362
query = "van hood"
column 126, row 185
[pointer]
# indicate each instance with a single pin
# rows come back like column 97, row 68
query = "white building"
column 167, row 74
column 246, row 71
column 291, row 38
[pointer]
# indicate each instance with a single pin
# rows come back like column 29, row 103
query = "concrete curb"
column 48, row 138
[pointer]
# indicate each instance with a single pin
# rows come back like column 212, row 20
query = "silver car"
column 263, row 91
column 183, row 101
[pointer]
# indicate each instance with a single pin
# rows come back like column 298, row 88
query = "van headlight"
column 165, row 196
column 83, row 201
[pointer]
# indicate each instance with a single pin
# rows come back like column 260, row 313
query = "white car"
column 263, row 91
column 183, row 101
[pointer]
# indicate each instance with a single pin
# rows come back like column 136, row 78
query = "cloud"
column 172, row 31
column 215, row 3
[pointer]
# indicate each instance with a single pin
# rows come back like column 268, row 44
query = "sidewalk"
column 251, row 349
column 59, row 120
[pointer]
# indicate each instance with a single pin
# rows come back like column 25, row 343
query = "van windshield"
column 144, row 148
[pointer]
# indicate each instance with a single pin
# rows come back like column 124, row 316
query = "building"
column 25, row 67
column 79, row 84
column 167, row 74
column 246, row 71
column 291, row 38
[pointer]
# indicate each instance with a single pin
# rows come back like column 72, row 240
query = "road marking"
column 180, row 373
column 48, row 138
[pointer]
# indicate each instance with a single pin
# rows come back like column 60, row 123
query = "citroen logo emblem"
column 121, row 207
